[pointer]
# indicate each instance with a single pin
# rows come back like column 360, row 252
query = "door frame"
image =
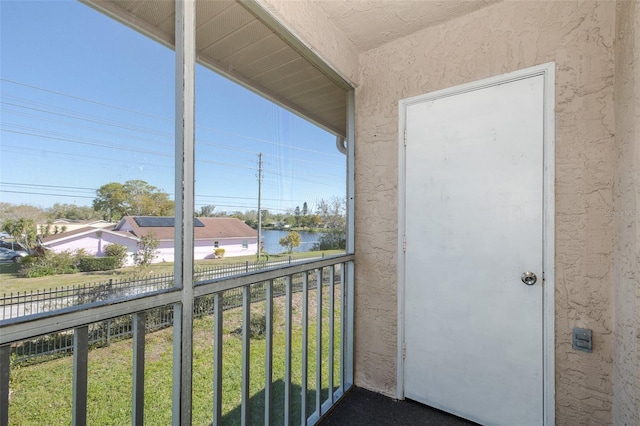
column 546, row 70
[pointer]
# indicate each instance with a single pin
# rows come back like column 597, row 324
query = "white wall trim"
column 548, row 72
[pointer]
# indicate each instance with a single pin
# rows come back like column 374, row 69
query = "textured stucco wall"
column 597, row 176
column 579, row 37
column 626, row 215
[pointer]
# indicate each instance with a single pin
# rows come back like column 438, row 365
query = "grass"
column 41, row 393
column 10, row 282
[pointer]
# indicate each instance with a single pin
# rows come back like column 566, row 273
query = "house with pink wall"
column 230, row 234
column 91, row 240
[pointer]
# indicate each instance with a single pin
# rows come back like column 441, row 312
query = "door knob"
column 529, row 278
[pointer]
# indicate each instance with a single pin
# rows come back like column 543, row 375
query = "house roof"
column 163, row 227
column 70, row 222
column 63, row 236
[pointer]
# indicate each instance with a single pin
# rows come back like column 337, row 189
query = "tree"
column 312, row 221
column 305, row 209
column 332, row 213
column 206, row 211
column 110, row 199
column 296, row 213
column 133, row 198
column 147, row 250
column 265, row 216
column 290, row 241
column 45, row 230
column 72, row 212
column 333, row 217
column 146, row 200
column 21, row 211
column 22, row 230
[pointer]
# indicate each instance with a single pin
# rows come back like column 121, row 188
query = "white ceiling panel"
column 232, row 40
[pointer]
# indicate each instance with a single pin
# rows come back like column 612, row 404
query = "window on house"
column 245, row 244
column 216, row 244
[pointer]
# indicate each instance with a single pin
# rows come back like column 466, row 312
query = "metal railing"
column 45, row 347
column 325, row 293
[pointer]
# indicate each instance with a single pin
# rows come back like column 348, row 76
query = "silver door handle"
column 529, row 278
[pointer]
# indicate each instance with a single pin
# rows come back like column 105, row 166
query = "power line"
column 52, row 113
column 162, row 118
column 267, row 141
column 83, row 99
column 43, row 193
column 103, row 160
column 235, row 206
column 103, row 144
column 83, row 117
column 76, row 126
column 85, row 189
column 140, row 130
column 47, row 186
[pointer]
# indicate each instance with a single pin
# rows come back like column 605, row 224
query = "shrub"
column 335, row 239
column 147, row 250
column 89, row 264
column 28, row 260
column 218, row 253
column 51, row 263
column 117, row 251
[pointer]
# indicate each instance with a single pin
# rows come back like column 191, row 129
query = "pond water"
column 271, row 238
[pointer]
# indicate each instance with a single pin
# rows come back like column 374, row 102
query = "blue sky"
column 86, row 101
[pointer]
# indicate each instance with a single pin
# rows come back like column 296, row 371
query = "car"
column 14, row 247
column 7, row 255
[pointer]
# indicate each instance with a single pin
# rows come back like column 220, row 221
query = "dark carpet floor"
column 363, row 407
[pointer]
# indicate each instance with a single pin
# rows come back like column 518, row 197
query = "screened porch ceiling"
column 242, row 41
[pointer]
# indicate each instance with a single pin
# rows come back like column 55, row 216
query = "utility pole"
column 259, row 208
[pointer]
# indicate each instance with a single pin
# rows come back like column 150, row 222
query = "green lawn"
column 41, row 393
column 9, row 281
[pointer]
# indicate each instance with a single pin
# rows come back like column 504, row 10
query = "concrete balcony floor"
column 363, row 407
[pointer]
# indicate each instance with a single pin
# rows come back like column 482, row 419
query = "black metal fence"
column 103, row 333
column 19, row 304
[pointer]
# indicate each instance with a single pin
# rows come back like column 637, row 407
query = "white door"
column 473, row 330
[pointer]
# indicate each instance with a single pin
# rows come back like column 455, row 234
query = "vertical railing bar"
column 177, row 362
column 246, row 347
column 139, row 338
column 217, row 359
column 268, row 352
column 332, row 310
column 350, row 309
column 80, row 364
column 343, row 326
column 5, row 373
column 287, row 351
column 305, row 343
column 319, row 341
